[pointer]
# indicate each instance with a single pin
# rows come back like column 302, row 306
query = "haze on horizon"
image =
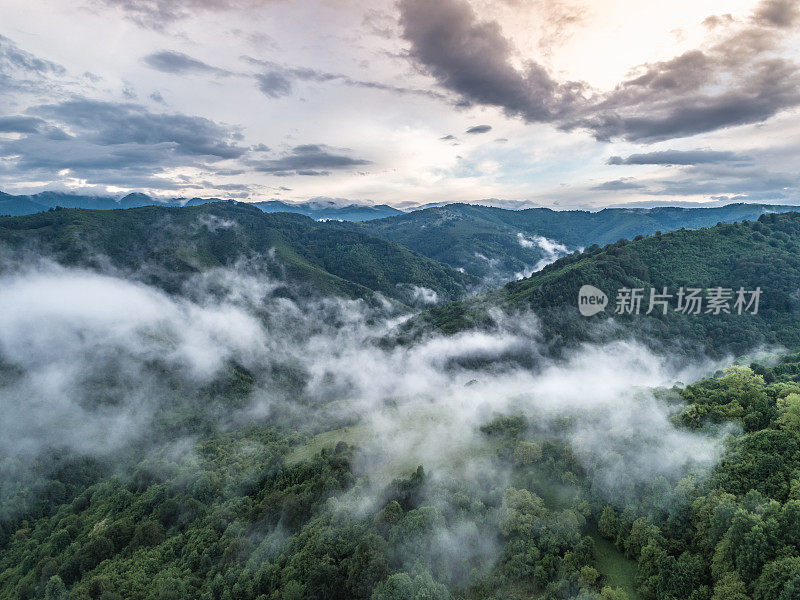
column 564, row 103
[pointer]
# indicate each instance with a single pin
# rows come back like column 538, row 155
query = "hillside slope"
column 165, row 245
column 498, row 244
column 762, row 254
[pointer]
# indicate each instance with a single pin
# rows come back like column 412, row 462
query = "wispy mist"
column 88, row 360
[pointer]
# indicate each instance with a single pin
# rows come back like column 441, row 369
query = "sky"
column 517, row 103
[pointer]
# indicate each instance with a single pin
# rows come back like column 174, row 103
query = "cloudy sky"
column 562, row 103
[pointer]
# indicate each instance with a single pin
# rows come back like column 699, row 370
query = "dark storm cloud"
column 17, row 124
column 778, row 13
column 472, row 58
column 722, row 180
column 113, row 143
column 40, row 153
column 113, row 123
column 396, row 89
column 710, row 180
column 679, row 157
column 23, row 72
column 479, row 129
column 277, row 80
column 156, row 14
column 274, row 84
column 733, row 83
column 178, row 63
column 309, row 159
column 718, row 20
column 380, row 23
column 736, row 81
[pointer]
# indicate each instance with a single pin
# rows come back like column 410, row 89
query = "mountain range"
column 415, row 259
column 498, row 245
column 492, row 244
column 317, row 208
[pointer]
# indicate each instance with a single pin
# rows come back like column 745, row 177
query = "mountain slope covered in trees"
column 759, row 254
column 325, row 209
column 498, row 244
column 244, row 520
column 165, row 245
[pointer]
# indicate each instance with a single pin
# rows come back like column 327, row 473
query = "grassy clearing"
column 618, row 570
column 355, row 435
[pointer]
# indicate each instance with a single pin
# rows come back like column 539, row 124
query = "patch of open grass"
column 618, row 570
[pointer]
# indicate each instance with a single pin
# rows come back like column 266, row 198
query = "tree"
column 752, row 554
column 609, row 593
column 55, row 589
column 527, row 453
column 730, row 587
column 94, row 552
column 367, row 567
column 148, row 533
column 775, row 577
column 120, row 532
column 521, row 510
column 791, row 590
column 401, row 586
column 608, row 523
column 640, row 536
column 588, row 577
column 789, row 415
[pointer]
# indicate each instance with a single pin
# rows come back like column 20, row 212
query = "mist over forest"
column 200, row 414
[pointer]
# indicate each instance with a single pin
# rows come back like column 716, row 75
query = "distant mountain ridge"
column 317, row 208
column 326, row 209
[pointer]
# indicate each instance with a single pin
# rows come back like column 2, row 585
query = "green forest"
column 164, row 245
column 247, row 521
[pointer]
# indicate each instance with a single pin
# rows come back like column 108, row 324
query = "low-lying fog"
column 88, row 358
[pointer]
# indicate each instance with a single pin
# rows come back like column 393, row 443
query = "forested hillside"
column 326, row 209
column 497, row 244
column 761, row 254
column 166, row 245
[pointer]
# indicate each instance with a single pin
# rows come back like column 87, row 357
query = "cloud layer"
column 736, row 80
column 197, row 89
column 89, row 360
